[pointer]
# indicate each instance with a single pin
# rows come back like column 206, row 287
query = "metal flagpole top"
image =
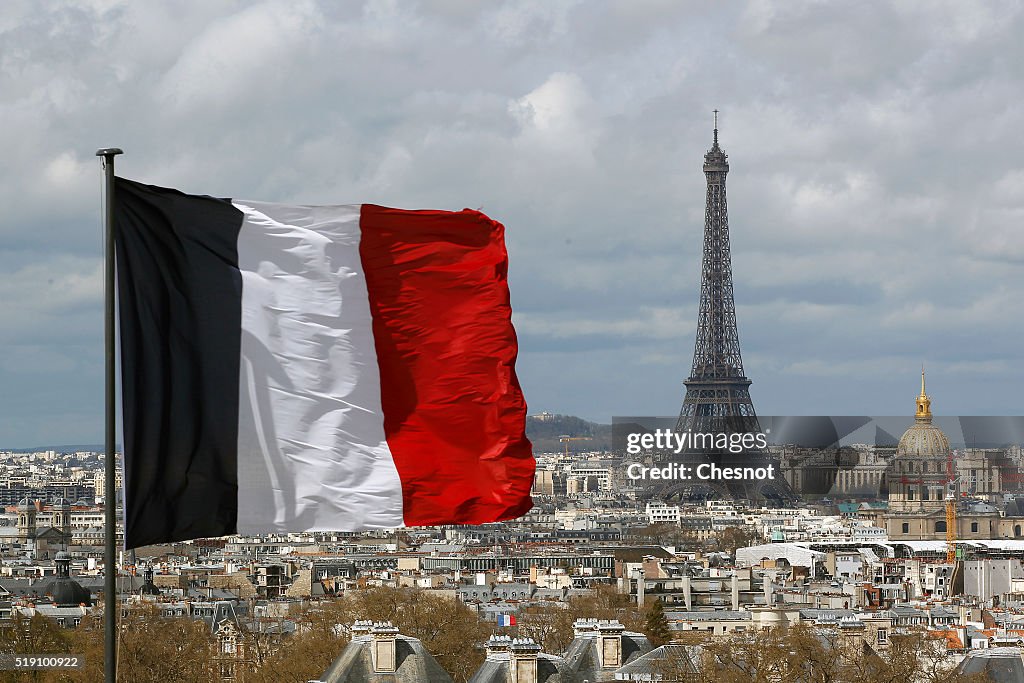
column 108, row 151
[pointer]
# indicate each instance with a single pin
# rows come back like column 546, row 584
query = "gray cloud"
column 876, row 191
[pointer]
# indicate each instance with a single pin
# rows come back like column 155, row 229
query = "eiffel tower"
column 718, row 391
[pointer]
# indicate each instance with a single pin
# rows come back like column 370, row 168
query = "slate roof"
column 63, row 590
column 814, row 613
column 495, row 669
column 584, row 659
column 550, row 669
column 673, row 657
column 414, row 664
column 1001, row 664
column 708, row 615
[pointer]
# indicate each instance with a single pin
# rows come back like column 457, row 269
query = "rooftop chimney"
column 384, row 636
column 611, row 643
column 582, row 627
column 523, row 664
column 361, row 628
column 498, row 647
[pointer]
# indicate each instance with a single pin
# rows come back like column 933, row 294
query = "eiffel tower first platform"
column 717, row 391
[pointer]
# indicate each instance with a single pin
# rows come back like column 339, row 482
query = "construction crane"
column 951, row 520
column 565, row 438
column 951, row 483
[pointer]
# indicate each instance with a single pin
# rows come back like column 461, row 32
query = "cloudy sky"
column 876, row 192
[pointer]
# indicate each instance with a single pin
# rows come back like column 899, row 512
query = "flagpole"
column 110, row 457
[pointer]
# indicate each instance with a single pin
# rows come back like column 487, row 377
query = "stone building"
column 46, row 541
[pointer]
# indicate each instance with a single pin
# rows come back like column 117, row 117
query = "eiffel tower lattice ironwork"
column 718, row 392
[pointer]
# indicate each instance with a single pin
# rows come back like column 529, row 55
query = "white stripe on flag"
column 311, row 447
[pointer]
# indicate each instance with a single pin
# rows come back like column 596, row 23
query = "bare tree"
column 552, row 626
column 152, row 648
column 731, row 538
column 33, row 635
column 808, row 654
column 320, row 635
column 447, row 628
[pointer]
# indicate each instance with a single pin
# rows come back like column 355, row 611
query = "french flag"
column 295, row 368
column 506, row 620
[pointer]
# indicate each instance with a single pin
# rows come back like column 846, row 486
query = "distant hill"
column 545, row 431
column 93, row 448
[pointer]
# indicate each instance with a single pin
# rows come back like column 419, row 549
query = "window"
column 940, row 526
column 883, row 636
column 906, row 527
column 1016, row 529
column 974, row 527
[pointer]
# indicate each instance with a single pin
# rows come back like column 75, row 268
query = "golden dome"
column 923, row 439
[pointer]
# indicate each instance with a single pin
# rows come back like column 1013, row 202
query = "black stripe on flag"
column 179, row 293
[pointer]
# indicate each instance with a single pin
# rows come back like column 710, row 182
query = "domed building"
column 918, row 473
column 62, row 589
column 917, row 476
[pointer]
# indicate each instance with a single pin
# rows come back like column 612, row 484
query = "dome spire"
column 924, row 404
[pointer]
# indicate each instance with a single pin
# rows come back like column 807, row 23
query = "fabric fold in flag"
column 300, row 368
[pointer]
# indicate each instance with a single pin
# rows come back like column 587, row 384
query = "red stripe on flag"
column 454, row 414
